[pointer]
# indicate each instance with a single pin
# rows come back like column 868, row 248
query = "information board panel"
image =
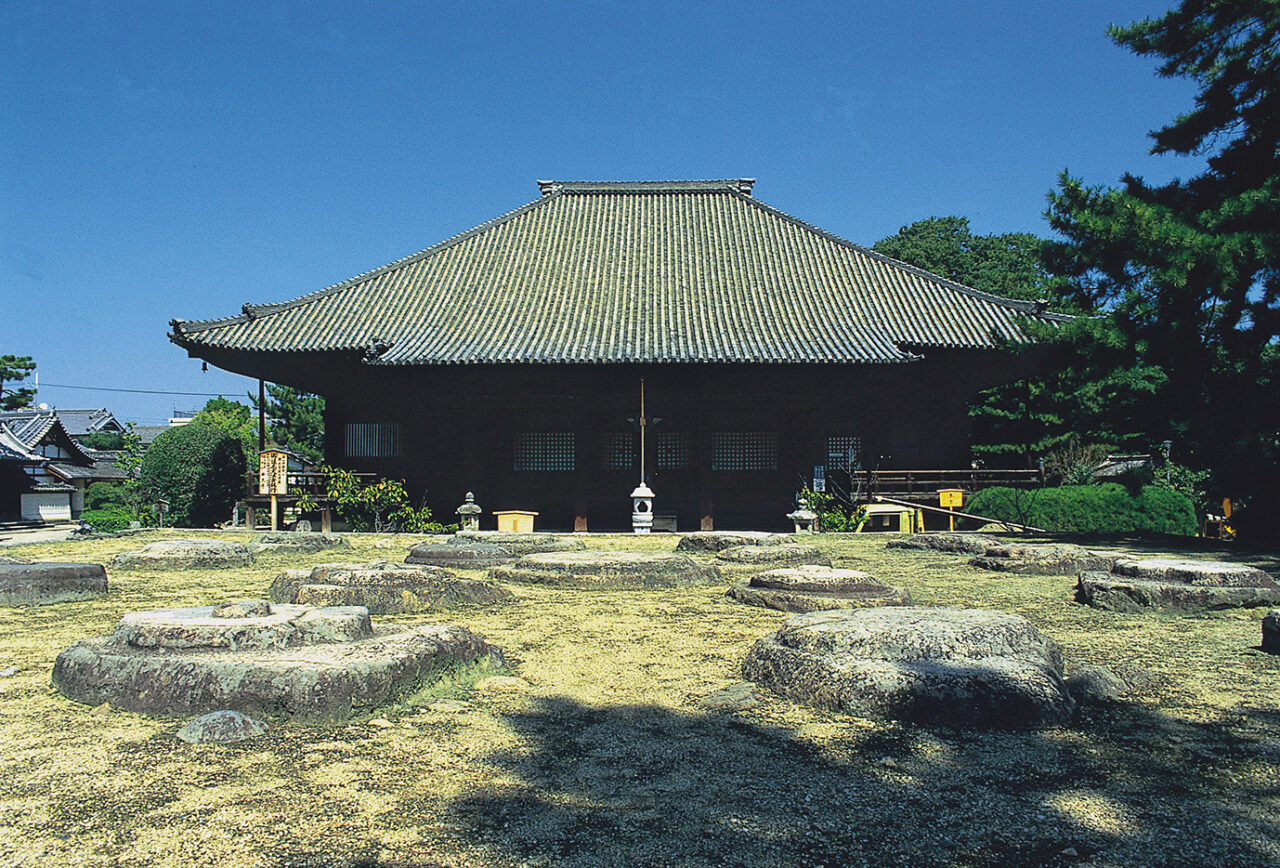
column 273, row 472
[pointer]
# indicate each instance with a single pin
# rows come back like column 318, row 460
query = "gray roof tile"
column 607, row 272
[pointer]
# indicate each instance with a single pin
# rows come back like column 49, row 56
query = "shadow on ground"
column 646, row 786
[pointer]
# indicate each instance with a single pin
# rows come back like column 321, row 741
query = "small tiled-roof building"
column 507, row 360
column 46, row 471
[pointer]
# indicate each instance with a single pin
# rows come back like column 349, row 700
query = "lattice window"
column 544, row 450
column 671, row 450
column 744, row 450
column 371, row 440
column 618, row 450
column 844, row 452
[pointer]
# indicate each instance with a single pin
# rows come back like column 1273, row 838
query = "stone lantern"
column 803, row 517
column 469, row 513
column 642, row 509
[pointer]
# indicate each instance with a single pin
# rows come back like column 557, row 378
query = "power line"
column 134, row 391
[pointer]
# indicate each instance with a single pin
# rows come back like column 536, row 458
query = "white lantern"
column 642, row 509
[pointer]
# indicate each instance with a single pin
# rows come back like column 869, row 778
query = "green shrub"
column 199, row 469
column 833, row 515
column 1105, row 508
column 382, row 506
column 104, row 495
column 108, row 520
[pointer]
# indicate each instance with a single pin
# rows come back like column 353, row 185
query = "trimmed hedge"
column 108, row 520
column 199, row 469
column 1105, row 508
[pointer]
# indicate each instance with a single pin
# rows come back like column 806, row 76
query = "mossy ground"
column 600, row 754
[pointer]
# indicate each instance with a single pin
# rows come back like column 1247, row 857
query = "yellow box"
column 515, row 521
column 951, row 497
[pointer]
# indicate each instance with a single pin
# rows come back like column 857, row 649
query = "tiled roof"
column 693, row 271
column 52, row 487
column 71, row 471
column 81, row 422
column 147, row 433
column 104, row 463
column 30, row 427
column 13, row 449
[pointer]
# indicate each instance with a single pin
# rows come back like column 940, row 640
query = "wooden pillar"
column 586, row 461
column 702, row 449
column 262, row 419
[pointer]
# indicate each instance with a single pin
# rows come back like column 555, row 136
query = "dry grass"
column 601, row 756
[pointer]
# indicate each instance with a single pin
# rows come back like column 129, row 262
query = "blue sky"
column 162, row 160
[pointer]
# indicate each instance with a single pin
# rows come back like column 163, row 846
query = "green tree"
column 15, row 369
column 235, row 419
column 1008, row 265
column 199, row 468
column 130, row 461
column 297, row 420
column 104, row 495
column 1190, row 270
column 105, row 440
column 1085, row 383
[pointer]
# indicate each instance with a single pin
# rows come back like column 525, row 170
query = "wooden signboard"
column 273, row 472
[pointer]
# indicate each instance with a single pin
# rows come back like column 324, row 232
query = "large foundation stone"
column 384, row 588
column 313, row 664
column 1271, row 632
column 773, row 555
column 519, row 543
column 460, row 556
column 719, row 540
column 185, row 554
column 299, row 541
column 954, row 543
column 1042, row 559
column 40, row 583
column 1167, row 584
column 956, row 667
column 816, row 588
column 608, row 570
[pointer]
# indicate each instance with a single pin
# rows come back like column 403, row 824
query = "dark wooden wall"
column 458, row 426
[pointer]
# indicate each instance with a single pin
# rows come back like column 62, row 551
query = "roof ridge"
column 251, row 311
column 741, row 185
column 1030, row 307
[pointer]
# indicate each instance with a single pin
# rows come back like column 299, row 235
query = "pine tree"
column 13, row 369
column 1190, row 270
column 297, row 420
column 1084, row 384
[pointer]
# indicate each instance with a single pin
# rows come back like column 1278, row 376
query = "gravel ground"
column 596, row 748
